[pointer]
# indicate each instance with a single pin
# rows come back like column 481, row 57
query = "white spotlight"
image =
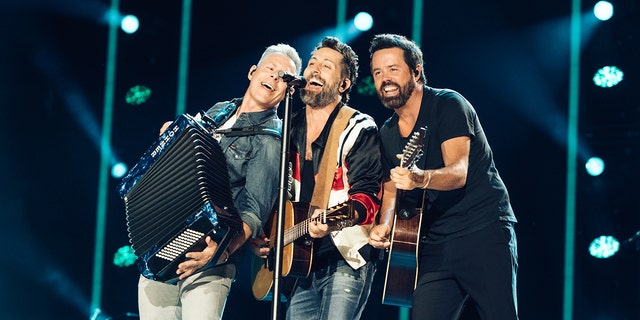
column 604, row 247
column 119, row 170
column 363, row 21
column 603, row 10
column 129, row 24
column 594, row 166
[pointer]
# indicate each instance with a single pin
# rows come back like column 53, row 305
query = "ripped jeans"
column 336, row 292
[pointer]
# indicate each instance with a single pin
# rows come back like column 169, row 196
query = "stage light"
column 124, row 257
column 138, row 95
column 97, row 314
column 363, row 21
column 119, row 170
column 604, row 247
column 367, row 87
column 608, row 76
column 603, row 10
column 129, row 24
column 594, row 166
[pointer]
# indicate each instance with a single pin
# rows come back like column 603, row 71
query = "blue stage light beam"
column 347, row 33
column 106, row 154
column 73, row 97
column 16, row 230
column 523, row 73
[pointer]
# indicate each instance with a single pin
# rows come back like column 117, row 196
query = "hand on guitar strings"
column 317, row 229
column 260, row 245
column 379, row 236
column 197, row 260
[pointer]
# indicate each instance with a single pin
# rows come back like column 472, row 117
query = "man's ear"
column 345, row 85
column 251, row 71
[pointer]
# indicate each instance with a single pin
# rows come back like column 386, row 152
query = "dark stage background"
column 509, row 58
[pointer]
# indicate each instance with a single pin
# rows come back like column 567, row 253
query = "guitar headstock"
column 336, row 214
column 413, row 149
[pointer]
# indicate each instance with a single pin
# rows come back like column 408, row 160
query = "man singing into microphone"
column 293, row 80
column 329, row 135
column 253, row 164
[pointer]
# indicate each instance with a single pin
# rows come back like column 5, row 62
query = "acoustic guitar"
column 297, row 246
column 402, row 261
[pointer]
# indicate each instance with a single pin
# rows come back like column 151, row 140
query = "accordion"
column 175, row 196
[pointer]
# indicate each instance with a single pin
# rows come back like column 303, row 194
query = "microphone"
column 291, row 79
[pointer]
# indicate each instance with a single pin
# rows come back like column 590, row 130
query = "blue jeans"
column 332, row 293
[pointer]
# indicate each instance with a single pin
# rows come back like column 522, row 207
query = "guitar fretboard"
column 299, row 230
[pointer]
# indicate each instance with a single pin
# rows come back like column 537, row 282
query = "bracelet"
column 428, row 179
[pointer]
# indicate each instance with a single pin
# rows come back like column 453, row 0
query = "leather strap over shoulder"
column 328, row 162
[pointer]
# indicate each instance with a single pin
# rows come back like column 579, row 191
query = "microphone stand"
column 282, row 199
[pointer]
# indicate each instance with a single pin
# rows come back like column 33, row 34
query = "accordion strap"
column 226, row 112
column 248, row 131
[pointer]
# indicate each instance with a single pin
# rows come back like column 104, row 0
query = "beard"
column 325, row 97
column 399, row 100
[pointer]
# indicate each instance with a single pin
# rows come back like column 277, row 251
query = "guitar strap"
column 326, row 172
column 349, row 240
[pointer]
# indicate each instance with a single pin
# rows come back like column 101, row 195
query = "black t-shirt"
column 484, row 198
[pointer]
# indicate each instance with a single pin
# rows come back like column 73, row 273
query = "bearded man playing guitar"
column 467, row 249
column 335, row 157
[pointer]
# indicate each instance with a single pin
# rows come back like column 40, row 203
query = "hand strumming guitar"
column 260, row 245
column 380, row 233
column 379, row 236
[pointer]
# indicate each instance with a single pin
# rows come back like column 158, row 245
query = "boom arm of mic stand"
column 282, row 200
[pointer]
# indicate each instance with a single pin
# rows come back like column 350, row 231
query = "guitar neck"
column 329, row 216
column 404, row 163
column 298, row 230
column 399, row 200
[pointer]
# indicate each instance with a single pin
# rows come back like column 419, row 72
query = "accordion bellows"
column 177, row 194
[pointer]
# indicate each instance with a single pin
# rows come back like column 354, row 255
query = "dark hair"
column 349, row 61
column 412, row 53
